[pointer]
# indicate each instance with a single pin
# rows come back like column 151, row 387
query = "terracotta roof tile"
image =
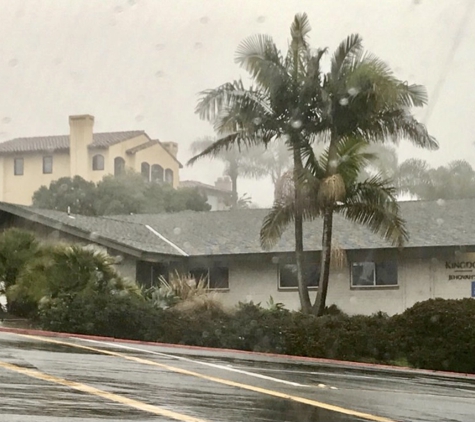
column 61, row 143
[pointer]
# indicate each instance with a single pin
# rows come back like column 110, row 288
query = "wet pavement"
column 60, row 379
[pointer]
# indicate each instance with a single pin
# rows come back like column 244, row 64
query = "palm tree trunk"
column 319, row 306
column 325, row 259
column 305, row 303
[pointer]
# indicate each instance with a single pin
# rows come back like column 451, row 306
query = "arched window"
column 157, row 173
column 169, row 176
column 145, row 170
column 98, row 162
column 119, row 166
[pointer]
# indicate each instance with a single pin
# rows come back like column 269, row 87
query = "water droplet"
column 159, row 74
column 159, row 47
column 275, row 259
column 139, row 117
column 321, row 385
column 261, row 19
column 353, row 91
column 296, row 124
column 13, row 62
column 441, row 202
column 257, row 121
column 118, row 9
column 57, row 61
column 177, row 230
column 187, row 245
column 353, row 299
column 344, row 101
column 198, row 45
column 333, row 163
column 434, row 260
column 333, row 388
column 204, row 19
column 3, row 135
column 6, row 120
column 440, row 221
column 132, row 2
column 434, row 318
column 119, row 259
column 94, row 236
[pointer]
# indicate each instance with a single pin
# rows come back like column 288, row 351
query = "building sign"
column 461, row 269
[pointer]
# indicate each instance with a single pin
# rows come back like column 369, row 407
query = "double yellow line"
column 163, row 412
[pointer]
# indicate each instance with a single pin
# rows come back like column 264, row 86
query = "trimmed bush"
column 439, row 334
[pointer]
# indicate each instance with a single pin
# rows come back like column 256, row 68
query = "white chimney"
column 80, row 136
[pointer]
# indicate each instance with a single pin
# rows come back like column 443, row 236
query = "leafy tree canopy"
column 125, row 194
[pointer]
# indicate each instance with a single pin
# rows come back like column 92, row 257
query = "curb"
column 356, row 366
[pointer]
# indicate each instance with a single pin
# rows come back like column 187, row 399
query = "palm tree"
column 294, row 102
column 283, row 106
column 362, row 99
column 371, row 202
column 237, row 163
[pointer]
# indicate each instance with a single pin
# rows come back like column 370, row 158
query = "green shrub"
column 17, row 248
column 114, row 315
column 439, row 334
column 63, row 270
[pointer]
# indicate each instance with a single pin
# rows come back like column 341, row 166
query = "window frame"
column 157, row 168
column 96, row 162
column 45, row 157
column 294, row 288
column 19, row 160
column 375, row 284
column 166, row 175
column 208, row 271
column 119, row 166
column 146, row 165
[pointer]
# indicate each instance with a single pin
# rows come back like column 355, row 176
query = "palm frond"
column 239, row 139
column 275, row 223
column 373, row 204
column 259, row 55
column 344, row 54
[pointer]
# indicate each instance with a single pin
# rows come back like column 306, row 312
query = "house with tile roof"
column 219, row 196
column 223, row 246
column 26, row 164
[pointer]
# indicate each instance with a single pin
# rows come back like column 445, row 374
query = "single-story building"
column 438, row 260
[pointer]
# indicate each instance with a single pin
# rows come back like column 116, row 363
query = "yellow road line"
column 273, row 393
column 100, row 393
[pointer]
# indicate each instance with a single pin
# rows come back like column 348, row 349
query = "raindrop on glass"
column 177, row 230
column 198, row 45
column 275, row 259
column 13, row 62
column 344, row 101
column 353, row 91
column 440, row 221
column 94, row 236
column 159, row 47
column 204, row 19
column 257, row 121
column 441, row 202
column 187, row 245
column 118, row 9
column 261, row 19
column 139, row 117
column 296, row 124
column 159, row 74
column 6, row 120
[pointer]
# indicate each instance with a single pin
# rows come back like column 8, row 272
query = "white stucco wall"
column 419, row 279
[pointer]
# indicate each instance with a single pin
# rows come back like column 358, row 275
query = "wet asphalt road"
column 206, row 386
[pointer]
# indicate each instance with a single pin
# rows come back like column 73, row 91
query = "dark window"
column 48, row 164
column 157, row 173
column 169, row 176
column 119, row 166
column 219, row 278
column 374, row 274
column 288, row 275
column 145, row 171
column 98, row 162
column 149, row 274
column 18, row 166
column 214, row 277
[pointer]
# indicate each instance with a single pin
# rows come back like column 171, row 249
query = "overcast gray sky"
column 140, row 64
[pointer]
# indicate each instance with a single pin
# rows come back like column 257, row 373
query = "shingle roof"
column 58, row 143
column 438, row 223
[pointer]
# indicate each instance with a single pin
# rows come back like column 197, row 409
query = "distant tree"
column 128, row 193
column 76, row 193
column 238, row 163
